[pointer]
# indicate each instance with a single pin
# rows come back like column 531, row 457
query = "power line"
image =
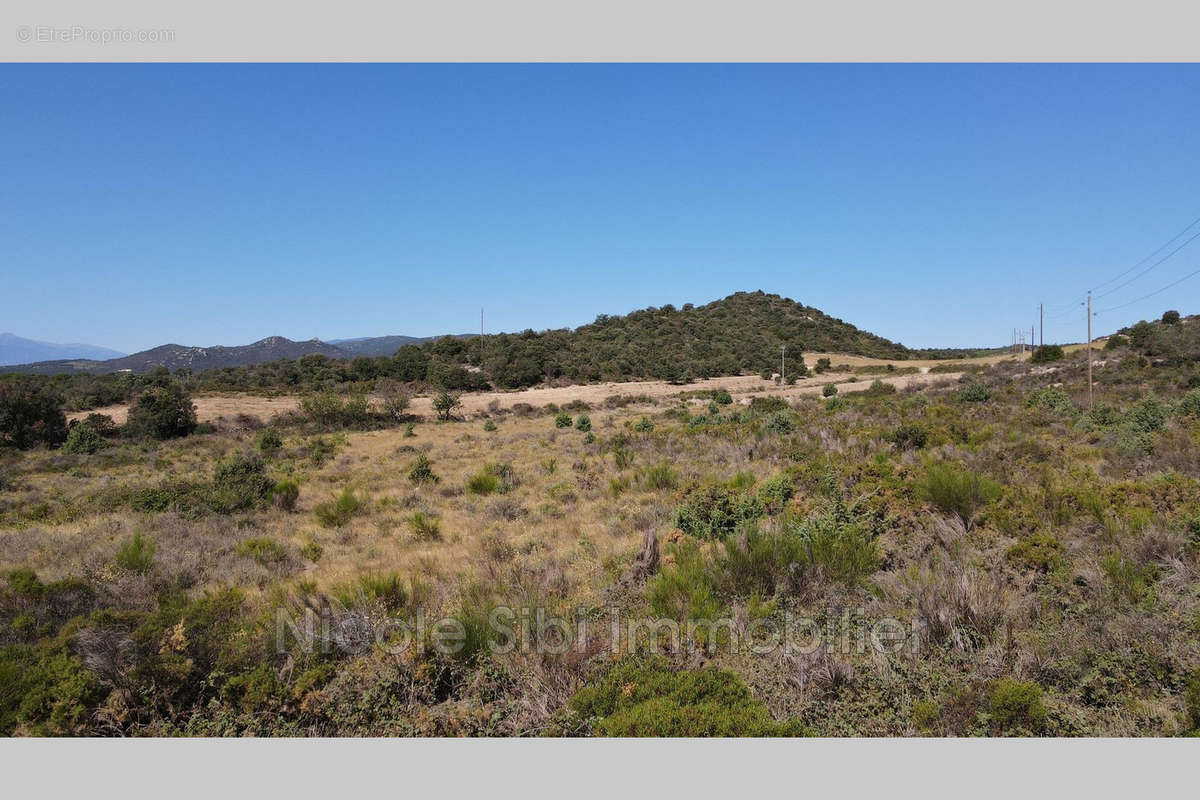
column 1152, row 294
column 1167, row 244
column 1193, row 237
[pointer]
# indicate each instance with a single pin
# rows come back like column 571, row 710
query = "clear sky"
column 932, row 204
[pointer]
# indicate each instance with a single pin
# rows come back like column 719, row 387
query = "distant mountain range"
column 198, row 359
column 17, row 350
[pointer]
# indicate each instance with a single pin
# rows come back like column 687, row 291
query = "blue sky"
column 932, row 204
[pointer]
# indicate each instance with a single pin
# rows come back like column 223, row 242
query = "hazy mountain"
column 175, row 356
column 17, row 350
column 377, row 345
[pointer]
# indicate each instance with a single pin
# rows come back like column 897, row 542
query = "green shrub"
column 338, row 511
column 489, row 426
column 263, row 549
column 330, row 410
column 239, row 483
column 583, row 423
column 421, row 472
column 1046, row 354
column 643, row 425
column 909, row 436
column 284, row 494
column 269, row 441
column 589, row 438
column 562, row 421
column 498, row 478
column 660, row 476
column 1170, row 317
column 776, row 491
column 829, row 390
column 957, row 490
column 162, row 412
column 1130, row 581
column 30, row 414
column 780, row 422
column 1189, row 406
column 1116, row 342
column 445, row 404
column 1016, row 707
column 312, row 551
column 644, row 696
column 135, row 555
column 878, row 388
column 1052, row 399
column 722, row 398
column 385, row 590
column 83, row 439
column 1040, row 551
column 1147, row 415
column 424, row 527
column 714, row 511
column 975, row 392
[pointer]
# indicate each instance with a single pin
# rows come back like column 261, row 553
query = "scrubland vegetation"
column 1046, row 554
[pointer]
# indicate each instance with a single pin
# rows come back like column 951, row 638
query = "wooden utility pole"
column 1089, row 347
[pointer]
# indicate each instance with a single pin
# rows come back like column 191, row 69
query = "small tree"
column 394, row 401
column 828, row 390
column 30, row 414
column 1170, row 318
column 162, row 412
column 445, row 404
column 1047, row 353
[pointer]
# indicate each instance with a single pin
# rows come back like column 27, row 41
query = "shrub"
column 714, row 511
column 1115, row 342
column 489, row 426
column 643, row 425
column 878, row 388
column 445, row 404
column 263, row 549
column 780, row 422
column 1041, row 551
column 312, row 551
column 589, row 438
column 338, row 511
column 583, row 423
column 269, row 441
column 83, row 439
column 823, row 365
column 776, row 491
column 239, row 483
column 1130, row 582
column 162, row 412
column 1189, row 406
column 421, row 472
column 660, row 476
column 385, row 590
column 829, row 390
column 644, row 696
column 1170, row 318
column 30, row 414
column 284, row 494
column 330, row 410
column 424, row 527
column 394, row 400
column 909, row 436
column 1050, row 398
column 1046, row 354
column 135, row 555
column 975, row 392
column 562, row 421
column 723, row 398
column 498, row 478
column 1147, row 415
column 1016, row 707
column 838, row 542
column 959, row 491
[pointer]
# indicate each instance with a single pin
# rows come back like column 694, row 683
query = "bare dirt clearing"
column 211, row 407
